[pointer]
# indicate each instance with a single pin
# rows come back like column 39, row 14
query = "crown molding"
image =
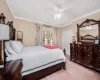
column 67, row 24
column 86, row 15
column 67, row 28
column 16, row 17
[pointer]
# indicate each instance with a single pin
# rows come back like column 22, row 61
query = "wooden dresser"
column 86, row 54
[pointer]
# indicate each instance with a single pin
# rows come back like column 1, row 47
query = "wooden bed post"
column 64, row 51
column 12, row 70
column 64, row 66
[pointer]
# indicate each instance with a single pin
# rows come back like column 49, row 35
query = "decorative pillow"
column 8, row 49
column 17, row 46
column 50, row 46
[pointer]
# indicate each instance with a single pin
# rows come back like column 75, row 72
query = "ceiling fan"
column 57, row 10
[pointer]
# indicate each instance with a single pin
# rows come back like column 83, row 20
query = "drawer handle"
column 88, row 55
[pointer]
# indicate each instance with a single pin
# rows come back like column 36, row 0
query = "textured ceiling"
column 42, row 10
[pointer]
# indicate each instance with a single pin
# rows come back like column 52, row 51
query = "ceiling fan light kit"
column 57, row 16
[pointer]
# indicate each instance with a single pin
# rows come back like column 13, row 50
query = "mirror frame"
column 88, row 22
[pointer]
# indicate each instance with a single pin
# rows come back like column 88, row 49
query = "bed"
column 37, row 58
column 39, row 63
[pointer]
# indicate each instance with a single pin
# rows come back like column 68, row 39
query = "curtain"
column 55, row 36
column 38, row 37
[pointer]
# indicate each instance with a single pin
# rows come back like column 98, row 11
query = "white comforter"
column 37, row 56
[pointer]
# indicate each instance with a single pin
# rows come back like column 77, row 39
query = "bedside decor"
column 73, row 40
column 20, row 36
column 97, row 42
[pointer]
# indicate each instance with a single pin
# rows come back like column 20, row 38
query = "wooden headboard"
column 88, row 37
column 12, row 30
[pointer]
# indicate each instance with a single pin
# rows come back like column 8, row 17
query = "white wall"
column 66, row 40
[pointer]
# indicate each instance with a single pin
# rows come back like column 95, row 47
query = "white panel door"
column 66, row 40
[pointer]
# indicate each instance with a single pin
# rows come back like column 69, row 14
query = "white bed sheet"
column 34, row 57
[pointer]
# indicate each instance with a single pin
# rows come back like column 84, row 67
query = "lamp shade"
column 4, row 32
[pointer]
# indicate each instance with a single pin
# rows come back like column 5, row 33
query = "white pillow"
column 7, row 53
column 8, row 49
column 17, row 46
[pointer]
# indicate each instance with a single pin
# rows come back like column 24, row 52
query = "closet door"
column 66, row 40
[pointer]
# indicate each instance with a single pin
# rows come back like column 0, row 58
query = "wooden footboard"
column 13, row 71
column 44, row 72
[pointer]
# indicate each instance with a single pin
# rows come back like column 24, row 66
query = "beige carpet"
column 73, row 72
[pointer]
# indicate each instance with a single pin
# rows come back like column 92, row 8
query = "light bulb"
column 57, row 16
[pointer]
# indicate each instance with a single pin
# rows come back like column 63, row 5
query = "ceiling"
column 43, row 10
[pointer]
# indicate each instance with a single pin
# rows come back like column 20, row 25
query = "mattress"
column 38, row 57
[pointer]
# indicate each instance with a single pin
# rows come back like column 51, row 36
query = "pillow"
column 7, row 53
column 50, row 46
column 8, row 49
column 17, row 46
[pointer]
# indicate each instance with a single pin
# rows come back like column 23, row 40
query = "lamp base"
column 1, row 53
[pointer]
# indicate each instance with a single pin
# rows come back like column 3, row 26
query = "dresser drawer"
column 97, row 66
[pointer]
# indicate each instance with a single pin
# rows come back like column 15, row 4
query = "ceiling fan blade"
column 63, row 9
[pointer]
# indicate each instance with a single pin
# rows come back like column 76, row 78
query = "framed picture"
column 20, row 36
column 96, row 42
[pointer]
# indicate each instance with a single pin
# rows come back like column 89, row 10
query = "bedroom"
column 29, row 20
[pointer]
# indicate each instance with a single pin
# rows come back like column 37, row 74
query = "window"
column 48, row 36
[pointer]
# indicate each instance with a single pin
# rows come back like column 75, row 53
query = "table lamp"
column 4, row 35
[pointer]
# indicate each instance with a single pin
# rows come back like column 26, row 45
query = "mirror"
column 88, row 31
